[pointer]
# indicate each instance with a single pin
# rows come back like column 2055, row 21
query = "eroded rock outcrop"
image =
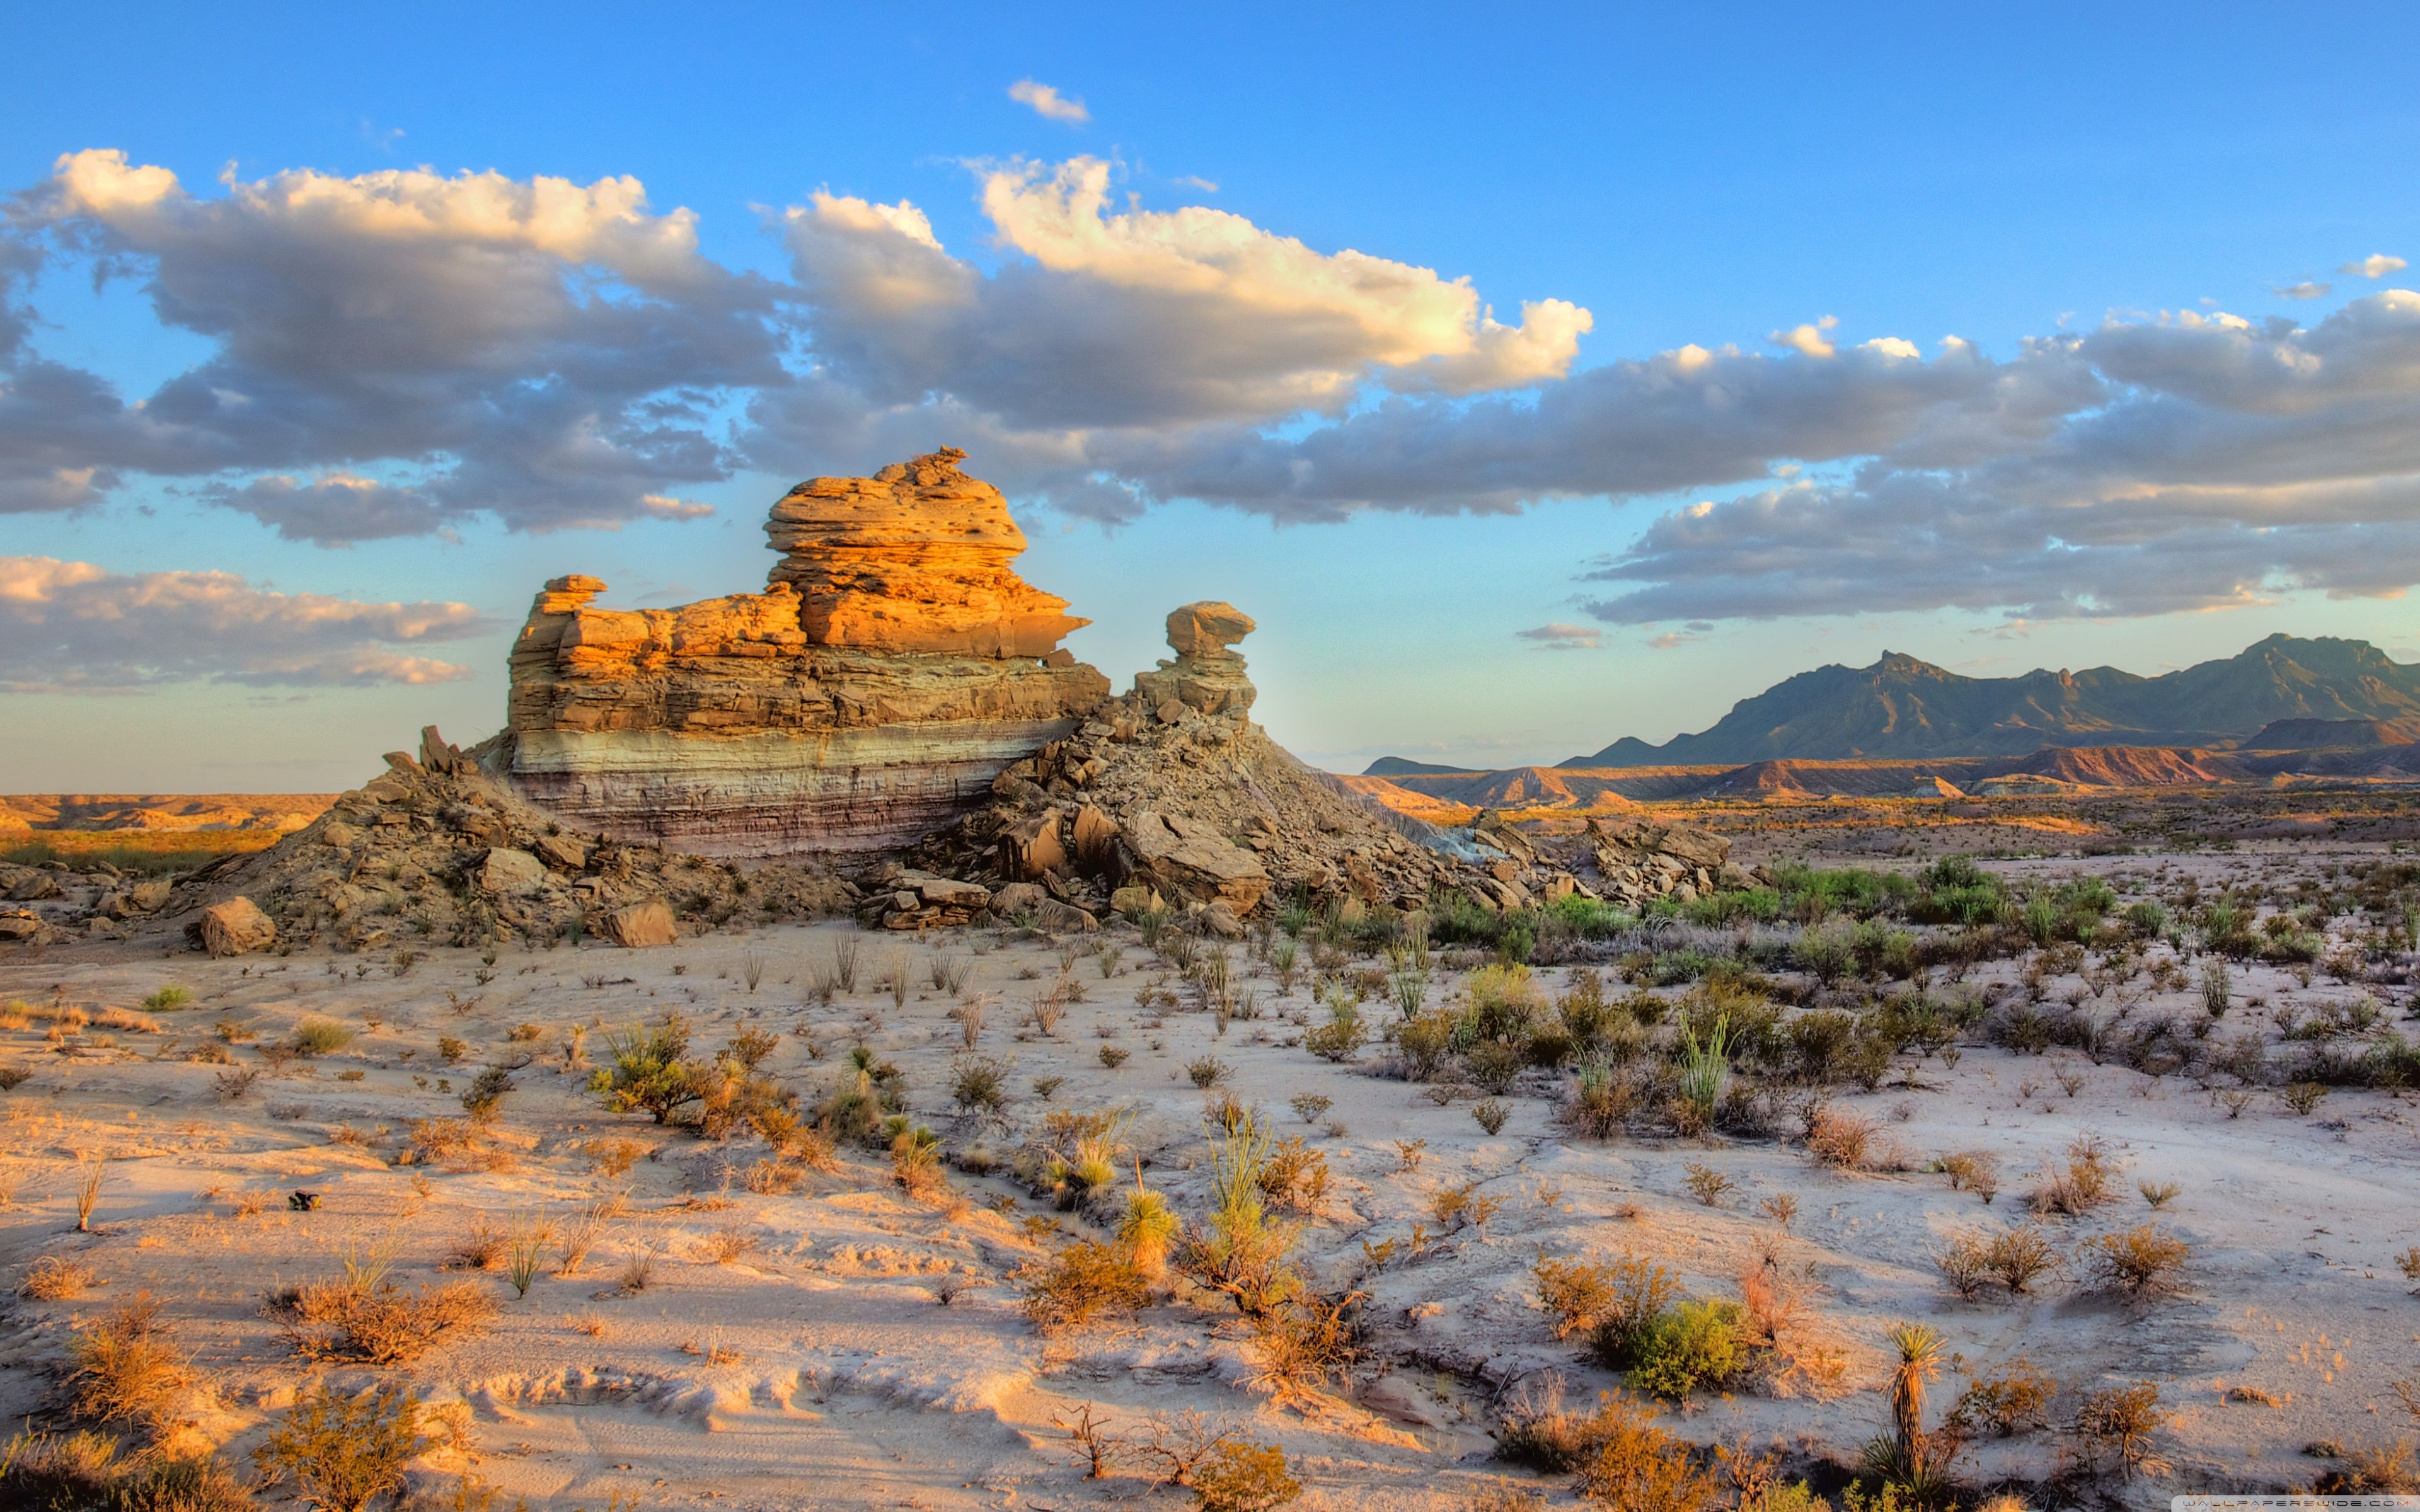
column 1170, row 796
column 434, row 851
column 892, row 669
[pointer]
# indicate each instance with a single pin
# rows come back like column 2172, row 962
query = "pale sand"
column 852, row 1387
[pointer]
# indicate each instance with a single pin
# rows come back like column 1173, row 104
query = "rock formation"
column 892, row 669
column 1205, row 676
column 434, row 851
column 1170, row 796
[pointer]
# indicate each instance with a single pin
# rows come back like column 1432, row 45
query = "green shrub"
column 319, row 1037
column 1082, row 1282
column 649, row 1070
column 1694, row 1344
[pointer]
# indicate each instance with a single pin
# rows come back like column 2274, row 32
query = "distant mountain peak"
column 1904, row 707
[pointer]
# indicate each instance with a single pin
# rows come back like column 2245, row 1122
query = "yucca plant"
column 1705, row 1067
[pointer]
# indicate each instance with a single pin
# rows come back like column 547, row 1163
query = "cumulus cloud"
column 2377, row 265
column 74, row 627
column 544, row 351
column 2231, row 461
column 1048, row 103
column 1140, row 319
column 395, row 353
column 1561, row 637
column 2304, row 290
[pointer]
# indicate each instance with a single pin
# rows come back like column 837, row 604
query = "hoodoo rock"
column 1206, row 676
column 895, row 666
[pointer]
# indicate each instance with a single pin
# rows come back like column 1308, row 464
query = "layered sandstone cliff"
column 892, row 669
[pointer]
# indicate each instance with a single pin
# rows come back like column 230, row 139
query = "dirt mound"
column 433, row 851
column 2121, row 766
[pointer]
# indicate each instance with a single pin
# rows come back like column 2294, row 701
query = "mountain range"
column 2283, row 690
column 1904, row 707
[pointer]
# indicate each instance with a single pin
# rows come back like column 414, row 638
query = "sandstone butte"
column 893, row 667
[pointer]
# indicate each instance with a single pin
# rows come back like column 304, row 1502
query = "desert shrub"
column 1206, row 1072
column 1636, row 1295
column 979, row 1084
column 1694, row 1344
column 2081, row 1184
column 319, row 1037
column 86, row 1473
column 1294, row 1176
column 2014, row 1401
column 1241, row 1251
column 55, row 1278
column 379, row 1324
column 1576, row 1293
column 1963, row 1261
column 1972, row 1170
column 345, row 1452
column 1244, row 1477
column 1341, row 1037
column 1501, row 1495
column 649, row 1070
column 1082, row 1282
column 1307, row 1340
column 2122, row 1419
column 1638, row 1467
column 1492, row 1113
column 486, row 1095
column 1840, row 1139
column 2021, row 1256
column 2140, row 1261
column 1602, row 1100
column 124, row 1369
column 2374, row 1470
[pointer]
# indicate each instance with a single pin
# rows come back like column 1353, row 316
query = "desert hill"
column 1905, row 708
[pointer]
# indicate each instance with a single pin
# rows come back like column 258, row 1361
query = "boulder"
column 32, row 887
column 1062, row 919
column 236, row 927
column 508, row 872
column 1134, row 899
column 148, row 897
column 1019, row 898
column 1182, row 858
column 564, row 853
column 638, row 925
column 947, row 893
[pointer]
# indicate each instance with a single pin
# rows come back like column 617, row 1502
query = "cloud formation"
column 2229, row 462
column 71, row 626
column 1048, row 103
column 397, row 353
column 1561, row 637
column 540, row 350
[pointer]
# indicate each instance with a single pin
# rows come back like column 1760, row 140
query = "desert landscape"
column 829, row 1049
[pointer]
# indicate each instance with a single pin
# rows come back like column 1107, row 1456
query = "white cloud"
column 1561, row 637
column 2377, row 265
column 1671, row 640
column 1048, row 103
column 1809, row 341
column 1191, row 182
column 1136, row 319
column 538, row 350
column 74, row 627
column 2304, row 290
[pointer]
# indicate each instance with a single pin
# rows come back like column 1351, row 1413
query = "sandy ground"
column 821, row 1367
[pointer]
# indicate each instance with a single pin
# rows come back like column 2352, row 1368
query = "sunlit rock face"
column 893, row 668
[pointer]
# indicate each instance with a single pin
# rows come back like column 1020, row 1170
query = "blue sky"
column 2160, row 441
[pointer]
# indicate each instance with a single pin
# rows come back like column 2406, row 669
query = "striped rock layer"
column 895, row 666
